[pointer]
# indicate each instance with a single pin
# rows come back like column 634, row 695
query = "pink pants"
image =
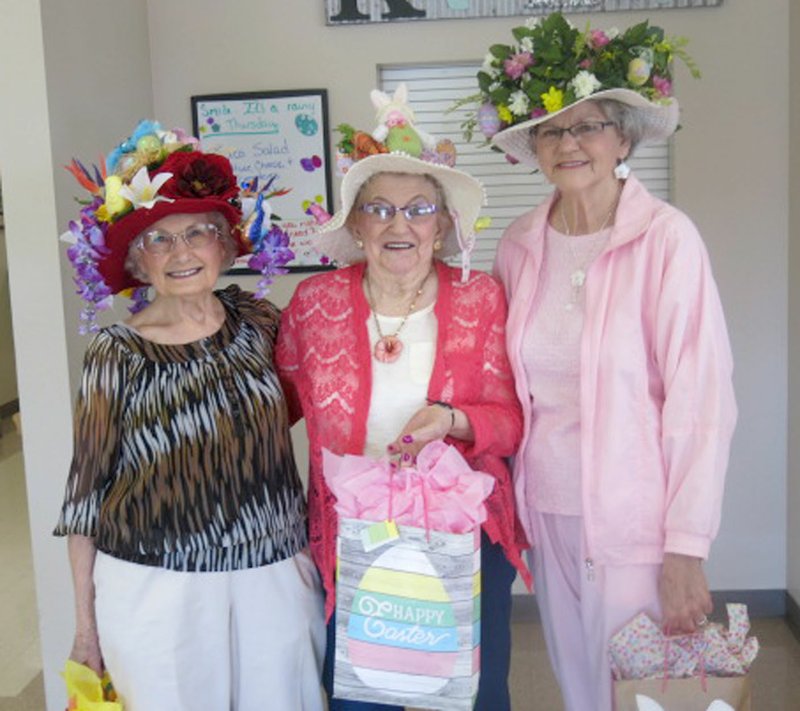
column 581, row 612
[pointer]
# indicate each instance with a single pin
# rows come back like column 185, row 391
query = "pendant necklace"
column 578, row 277
column 389, row 346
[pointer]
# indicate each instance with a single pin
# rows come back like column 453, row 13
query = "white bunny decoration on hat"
column 645, row 703
column 395, row 120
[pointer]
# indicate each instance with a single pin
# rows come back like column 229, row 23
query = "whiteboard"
column 280, row 136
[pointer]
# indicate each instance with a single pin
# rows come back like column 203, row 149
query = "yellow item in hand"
column 88, row 692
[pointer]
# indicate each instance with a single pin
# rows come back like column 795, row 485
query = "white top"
column 400, row 388
column 551, row 353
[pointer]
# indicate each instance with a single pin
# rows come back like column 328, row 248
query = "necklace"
column 578, row 276
column 389, row 346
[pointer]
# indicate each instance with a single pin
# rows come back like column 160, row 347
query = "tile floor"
column 775, row 674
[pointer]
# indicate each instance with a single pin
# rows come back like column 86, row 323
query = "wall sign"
column 340, row 12
column 280, row 136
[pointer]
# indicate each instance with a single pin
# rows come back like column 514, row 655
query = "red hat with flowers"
column 148, row 176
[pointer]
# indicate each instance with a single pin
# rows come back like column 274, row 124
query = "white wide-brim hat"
column 660, row 121
column 464, row 194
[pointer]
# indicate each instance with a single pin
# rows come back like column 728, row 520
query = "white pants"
column 246, row 640
column 580, row 613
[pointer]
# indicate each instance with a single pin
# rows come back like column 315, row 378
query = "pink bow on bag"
column 440, row 492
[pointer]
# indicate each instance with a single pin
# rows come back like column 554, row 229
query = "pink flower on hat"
column 516, row 64
column 663, row 86
column 598, row 38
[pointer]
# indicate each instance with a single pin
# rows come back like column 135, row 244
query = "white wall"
column 82, row 78
column 109, row 64
column 793, row 497
column 730, row 165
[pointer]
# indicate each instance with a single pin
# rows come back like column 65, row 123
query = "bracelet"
column 447, row 406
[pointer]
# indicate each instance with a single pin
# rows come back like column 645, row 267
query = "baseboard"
column 9, row 408
column 760, row 603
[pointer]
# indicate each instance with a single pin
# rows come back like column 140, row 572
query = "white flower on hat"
column 612, row 32
column 143, row 192
column 526, row 44
column 584, row 84
column 532, row 22
column 488, row 62
column 519, row 103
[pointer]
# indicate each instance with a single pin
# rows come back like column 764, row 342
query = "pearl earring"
column 437, row 245
column 359, row 244
column 623, row 170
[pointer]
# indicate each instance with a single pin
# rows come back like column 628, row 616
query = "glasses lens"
column 200, row 235
column 379, row 211
column 586, row 129
column 419, row 211
column 157, row 242
column 549, row 134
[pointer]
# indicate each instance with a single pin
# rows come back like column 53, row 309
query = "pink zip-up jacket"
column 656, row 397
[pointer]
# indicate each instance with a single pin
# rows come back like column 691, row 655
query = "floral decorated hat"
column 554, row 66
column 152, row 174
column 398, row 146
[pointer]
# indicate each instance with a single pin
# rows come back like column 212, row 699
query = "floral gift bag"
column 408, row 583
column 707, row 671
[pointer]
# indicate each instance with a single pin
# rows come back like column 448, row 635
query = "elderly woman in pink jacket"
column 619, row 348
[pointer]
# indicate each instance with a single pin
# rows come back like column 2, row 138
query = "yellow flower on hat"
column 115, row 204
column 504, row 113
column 553, row 100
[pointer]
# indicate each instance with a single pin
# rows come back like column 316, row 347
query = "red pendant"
column 388, row 349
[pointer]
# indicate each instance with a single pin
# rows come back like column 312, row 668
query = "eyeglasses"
column 196, row 236
column 582, row 131
column 383, row 212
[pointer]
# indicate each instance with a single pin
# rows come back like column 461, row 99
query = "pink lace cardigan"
column 324, row 361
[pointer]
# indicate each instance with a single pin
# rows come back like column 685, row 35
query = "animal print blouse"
column 182, row 455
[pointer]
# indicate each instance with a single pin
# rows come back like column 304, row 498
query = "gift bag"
column 88, row 692
column 408, row 617
column 704, row 671
column 711, row 693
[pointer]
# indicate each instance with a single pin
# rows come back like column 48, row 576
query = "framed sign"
column 342, row 12
column 277, row 138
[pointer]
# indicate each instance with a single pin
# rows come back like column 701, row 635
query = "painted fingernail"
column 406, row 457
column 391, row 448
column 407, row 439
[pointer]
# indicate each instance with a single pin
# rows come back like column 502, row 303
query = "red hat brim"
column 122, row 233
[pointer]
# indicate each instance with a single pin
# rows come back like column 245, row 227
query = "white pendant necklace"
column 578, row 276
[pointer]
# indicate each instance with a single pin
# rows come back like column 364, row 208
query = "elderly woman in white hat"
column 400, row 349
column 618, row 344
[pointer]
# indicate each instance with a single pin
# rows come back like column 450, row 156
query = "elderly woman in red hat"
column 184, row 512
column 618, row 343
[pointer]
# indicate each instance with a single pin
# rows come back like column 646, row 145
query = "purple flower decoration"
column 89, row 248
column 139, row 299
column 270, row 249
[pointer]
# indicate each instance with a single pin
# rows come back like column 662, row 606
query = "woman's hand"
column 86, row 650
column 685, row 600
column 426, row 425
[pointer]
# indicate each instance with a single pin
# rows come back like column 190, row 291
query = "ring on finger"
column 702, row 622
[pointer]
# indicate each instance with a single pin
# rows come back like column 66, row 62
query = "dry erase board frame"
column 275, row 133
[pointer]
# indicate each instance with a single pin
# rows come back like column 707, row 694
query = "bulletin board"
column 279, row 136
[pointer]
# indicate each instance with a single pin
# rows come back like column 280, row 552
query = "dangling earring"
column 623, row 170
column 437, row 245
